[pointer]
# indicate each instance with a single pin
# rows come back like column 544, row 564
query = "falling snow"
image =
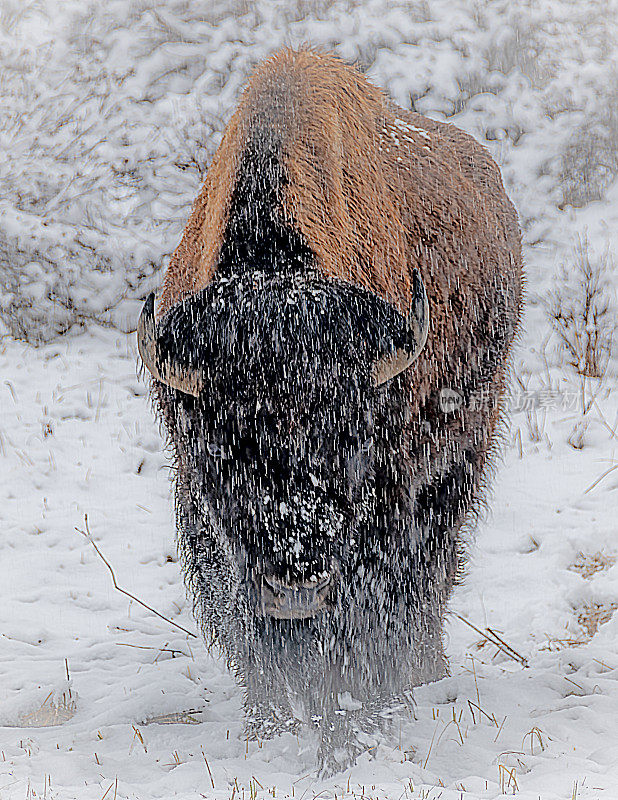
column 101, row 698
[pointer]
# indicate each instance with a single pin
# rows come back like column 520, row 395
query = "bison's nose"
column 294, row 600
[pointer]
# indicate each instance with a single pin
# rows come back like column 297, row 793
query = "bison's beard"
column 340, row 672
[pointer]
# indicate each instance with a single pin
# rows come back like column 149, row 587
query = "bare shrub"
column 535, row 416
column 107, row 144
column 580, row 310
column 582, row 313
column 589, row 162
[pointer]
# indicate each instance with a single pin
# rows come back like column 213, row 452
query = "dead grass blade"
column 600, row 478
column 493, row 638
column 152, row 610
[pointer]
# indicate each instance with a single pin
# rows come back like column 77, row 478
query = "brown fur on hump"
column 192, row 263
column 370, row 185
column 326, row 114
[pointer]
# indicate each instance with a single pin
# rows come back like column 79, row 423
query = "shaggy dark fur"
column 290, row 462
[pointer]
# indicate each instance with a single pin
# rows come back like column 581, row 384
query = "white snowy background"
column 109, row 115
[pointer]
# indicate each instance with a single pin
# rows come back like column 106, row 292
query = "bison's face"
column 272, row 386
column 280, row 455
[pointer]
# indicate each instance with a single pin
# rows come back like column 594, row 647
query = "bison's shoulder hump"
column 369, row 189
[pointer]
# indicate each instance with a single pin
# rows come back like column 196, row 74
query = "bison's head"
column 271, row 379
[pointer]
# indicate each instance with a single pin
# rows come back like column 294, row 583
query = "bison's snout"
column 293, row 600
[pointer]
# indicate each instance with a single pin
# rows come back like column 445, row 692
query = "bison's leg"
column 341, row 743
column 441, row 508
column 226, row 622
column 391, row 634
column 346, row 732
column 268, row 714
column 414, row 576
column 207, row 572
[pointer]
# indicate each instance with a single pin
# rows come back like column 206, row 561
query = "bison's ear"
column 160, row 360
column 409, row 342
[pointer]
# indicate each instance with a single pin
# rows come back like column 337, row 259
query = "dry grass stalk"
column 500, row 728
column 490, row 636
column 600, row 478
column 189, row 717
column 482, row 713
column 588, row 564
column 510, row 774
column 212, row 780
column 578, row 686
column 88, row 536
column 535, row 421
column 51, row 712
column 534, row 733
column 553, row 645
column 137, row 735
column 593, row 616
column 114, row 784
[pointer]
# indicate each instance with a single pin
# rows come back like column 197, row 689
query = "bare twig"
column 493, row 638
column 612, row 431
column 88, row 536
column 158, row 649
column 600, row 478
column 514, row 653
column 431, row 743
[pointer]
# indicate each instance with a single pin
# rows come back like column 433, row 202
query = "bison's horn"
column 162, row 366
column 417, row 327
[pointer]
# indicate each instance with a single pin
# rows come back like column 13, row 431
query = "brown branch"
column 514, row 652
column 496, row 640
column 88, row 536
column 600, row 478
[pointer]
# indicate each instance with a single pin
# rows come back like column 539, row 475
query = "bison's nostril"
column 294, row 600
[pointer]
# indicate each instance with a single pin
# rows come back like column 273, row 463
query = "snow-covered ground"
column 109, row 114
column 77, row 439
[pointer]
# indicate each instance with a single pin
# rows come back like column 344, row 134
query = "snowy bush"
column 582, row 311
column 110, row 113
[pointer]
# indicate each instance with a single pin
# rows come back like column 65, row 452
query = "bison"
column 329, row 356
